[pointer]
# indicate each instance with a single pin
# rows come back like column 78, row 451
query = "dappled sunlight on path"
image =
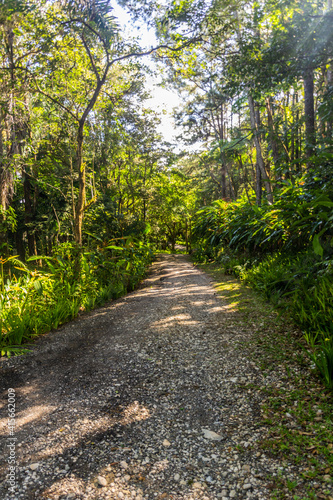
column 118, row 404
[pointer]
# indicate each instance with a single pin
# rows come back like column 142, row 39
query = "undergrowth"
column 36, row 299
column 284, row 251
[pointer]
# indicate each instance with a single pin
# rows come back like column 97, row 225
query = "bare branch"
column 87, row 25
column 92, row 62
column 154, row 49
column 55, row 101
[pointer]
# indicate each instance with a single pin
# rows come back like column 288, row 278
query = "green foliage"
column 36, row 301
column 285, row 252
column 296, row 219
column 323, row 359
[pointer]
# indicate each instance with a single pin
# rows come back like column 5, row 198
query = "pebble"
column 102, row 481
column 166, row 443
column 34, row 466
column 213, row 436
column 124, row 464
column 176, row 477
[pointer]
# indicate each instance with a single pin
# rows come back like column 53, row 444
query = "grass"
column 298, row 409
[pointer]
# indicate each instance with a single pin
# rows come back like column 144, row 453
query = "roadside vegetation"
column 284, row 251
column 37, row 299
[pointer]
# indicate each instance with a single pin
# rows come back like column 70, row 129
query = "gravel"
column 142, row 399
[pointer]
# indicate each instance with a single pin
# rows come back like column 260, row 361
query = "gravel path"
column 143, row 398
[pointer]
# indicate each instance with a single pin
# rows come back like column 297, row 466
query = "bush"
column 284, row 251
column 36, row 301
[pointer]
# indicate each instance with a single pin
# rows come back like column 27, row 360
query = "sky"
column 162, row 99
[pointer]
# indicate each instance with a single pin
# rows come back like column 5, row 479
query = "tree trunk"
column 186, row 235
column 19, row 244
column 260, row 160
column 28, row 214
column 310, row 137
column 258, row 186
column 274, row 146
column 329, row 89
column 6, row 179
column 79, row 211
column 223, row 163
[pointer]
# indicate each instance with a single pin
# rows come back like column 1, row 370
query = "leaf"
column 38, row 257
column 318, row 249
column 38, row 287
column 114, row 247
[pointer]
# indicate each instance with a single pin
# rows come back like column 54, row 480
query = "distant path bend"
column 143, row 398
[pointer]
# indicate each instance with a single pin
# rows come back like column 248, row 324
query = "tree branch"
column 92, row 62
column 154, row 49
column 55, row 101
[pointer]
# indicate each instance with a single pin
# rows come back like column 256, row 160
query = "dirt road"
column 143, row 398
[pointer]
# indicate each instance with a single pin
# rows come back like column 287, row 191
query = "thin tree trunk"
column 258, row 186
column 260, row 160
column 274, row 146
column 223, row 164
column 72, row 189
column 80, row 206
column 79, row 211
column 186, row 234
column 28, row 214
column 19, row 244
column 310, row 137
column 329, row 88
column 298, row 134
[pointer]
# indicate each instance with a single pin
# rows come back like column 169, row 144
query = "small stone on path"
column 102, row 481
column 213, row 436
column 166, row 443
